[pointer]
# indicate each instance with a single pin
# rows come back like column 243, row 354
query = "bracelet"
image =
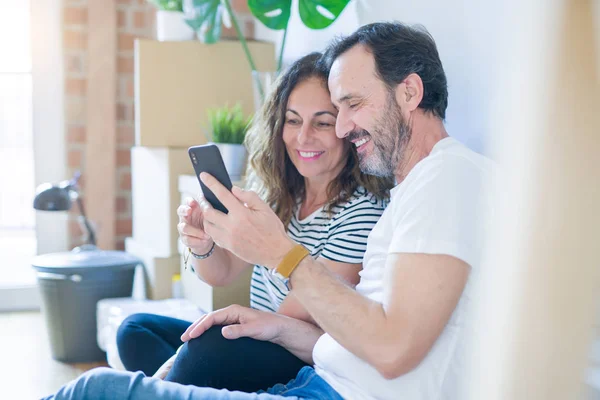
column 203, row 256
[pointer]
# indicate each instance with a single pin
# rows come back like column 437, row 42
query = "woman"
column 312, row 181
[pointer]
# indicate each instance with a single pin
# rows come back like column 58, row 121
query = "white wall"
column 463, row 31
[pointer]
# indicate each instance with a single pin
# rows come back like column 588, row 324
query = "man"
column 401, row 333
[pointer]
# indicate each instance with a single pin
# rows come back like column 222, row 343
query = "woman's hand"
column 191, row 227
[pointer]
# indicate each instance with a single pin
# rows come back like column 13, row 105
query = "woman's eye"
column 292, row 122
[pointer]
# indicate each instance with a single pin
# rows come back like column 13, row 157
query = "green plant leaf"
column 228, row 124
column 274, row 14
column 168, row 5
column 206, row 18
column 319, row 14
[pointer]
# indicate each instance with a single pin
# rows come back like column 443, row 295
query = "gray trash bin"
column 71, row 283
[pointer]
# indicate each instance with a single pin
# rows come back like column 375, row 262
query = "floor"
column 27, row 370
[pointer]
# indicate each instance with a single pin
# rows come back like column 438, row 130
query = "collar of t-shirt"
column 439, row 146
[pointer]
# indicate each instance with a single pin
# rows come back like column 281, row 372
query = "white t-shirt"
column 437, row 209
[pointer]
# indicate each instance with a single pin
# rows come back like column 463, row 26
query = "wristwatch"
column 291, row 260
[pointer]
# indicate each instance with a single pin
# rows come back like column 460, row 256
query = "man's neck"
column 426, row 133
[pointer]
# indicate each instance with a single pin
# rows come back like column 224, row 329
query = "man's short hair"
column 400, row 50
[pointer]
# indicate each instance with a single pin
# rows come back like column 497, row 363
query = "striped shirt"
column 340, row 236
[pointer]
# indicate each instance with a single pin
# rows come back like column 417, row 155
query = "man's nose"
column 343, row 125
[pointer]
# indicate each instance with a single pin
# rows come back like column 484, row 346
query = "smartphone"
column 207, row 158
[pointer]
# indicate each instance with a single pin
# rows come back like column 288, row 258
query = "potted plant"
column 228, row 127
column 170, row 23
column 207, row 16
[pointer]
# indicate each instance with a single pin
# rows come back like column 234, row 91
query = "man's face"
column 369, row 115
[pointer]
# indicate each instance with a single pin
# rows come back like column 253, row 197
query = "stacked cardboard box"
column 175, row 84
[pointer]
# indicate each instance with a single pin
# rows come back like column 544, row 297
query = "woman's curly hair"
column 272, row 174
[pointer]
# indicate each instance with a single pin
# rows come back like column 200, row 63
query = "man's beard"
column 390, row 138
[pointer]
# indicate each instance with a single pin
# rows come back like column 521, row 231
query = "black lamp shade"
column 52, row 198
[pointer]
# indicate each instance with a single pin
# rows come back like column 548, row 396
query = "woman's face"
column 309, row 132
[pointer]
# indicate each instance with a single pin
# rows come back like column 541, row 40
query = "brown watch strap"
column 291, row 260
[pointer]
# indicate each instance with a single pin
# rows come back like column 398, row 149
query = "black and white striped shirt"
column 340, row 236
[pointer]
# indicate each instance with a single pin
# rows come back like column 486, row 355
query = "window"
column 17, row 217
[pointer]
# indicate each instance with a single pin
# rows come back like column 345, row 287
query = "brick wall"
column 135, row 18
column 74, row 44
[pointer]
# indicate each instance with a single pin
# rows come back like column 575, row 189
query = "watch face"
column 282, row 278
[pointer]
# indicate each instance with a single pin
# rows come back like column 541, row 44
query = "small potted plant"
column 170, row 21
column 228, row 127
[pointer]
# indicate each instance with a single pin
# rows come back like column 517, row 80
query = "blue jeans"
column 108, row 384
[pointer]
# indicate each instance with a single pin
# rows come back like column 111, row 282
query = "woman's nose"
column 304, row 134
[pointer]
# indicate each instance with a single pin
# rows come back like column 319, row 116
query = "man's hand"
column 251, row 230
column 298, row 337
column 240, row 322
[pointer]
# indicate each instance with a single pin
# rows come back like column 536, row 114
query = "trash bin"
column 71, row 283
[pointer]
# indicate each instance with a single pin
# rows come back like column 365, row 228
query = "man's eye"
column 353, row 106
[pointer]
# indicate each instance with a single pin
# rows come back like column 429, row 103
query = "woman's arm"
column 219, row 269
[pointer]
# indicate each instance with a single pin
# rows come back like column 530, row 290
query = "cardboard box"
column 158, row 271
column 176, row 82
column 155, row 196
column 209, row 298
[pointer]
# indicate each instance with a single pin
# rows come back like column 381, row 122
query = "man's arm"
column 420, row 295
column 299, row 338
column 345, row 271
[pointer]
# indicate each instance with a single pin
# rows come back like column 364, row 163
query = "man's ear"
column 409, row 93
